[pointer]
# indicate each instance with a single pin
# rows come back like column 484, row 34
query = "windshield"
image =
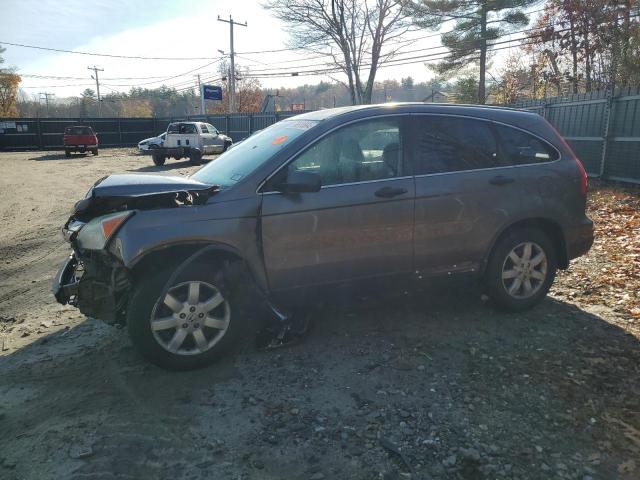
column 241, row 160
column 78, row 131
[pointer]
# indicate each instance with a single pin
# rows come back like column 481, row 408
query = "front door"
column 358, row 226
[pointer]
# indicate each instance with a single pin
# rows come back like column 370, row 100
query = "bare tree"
column 352, row 33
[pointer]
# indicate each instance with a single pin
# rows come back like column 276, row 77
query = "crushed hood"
column 141, row 191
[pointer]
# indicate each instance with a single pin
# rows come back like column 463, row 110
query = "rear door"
column 464, row 194
column 359, row 226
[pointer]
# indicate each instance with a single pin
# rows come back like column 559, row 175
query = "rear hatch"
column 79, row 136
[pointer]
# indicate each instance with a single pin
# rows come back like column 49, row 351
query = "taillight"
column 583, row 176
column 583, row 172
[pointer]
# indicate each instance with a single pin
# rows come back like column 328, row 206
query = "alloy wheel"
column 191, row 318
column 524, row 270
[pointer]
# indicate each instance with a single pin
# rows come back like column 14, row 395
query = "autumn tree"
column 352, row 33
column 248, row 92
column 478, row 22
column 588, row 44
column 9, row 82
column 518, row 77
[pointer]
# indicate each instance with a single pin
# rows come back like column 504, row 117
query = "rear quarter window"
column 521, row 148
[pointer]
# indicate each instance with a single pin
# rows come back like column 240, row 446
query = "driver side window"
column 364, row 151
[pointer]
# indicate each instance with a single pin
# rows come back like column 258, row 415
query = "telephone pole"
column 202, row 106
column 95, row 71
column 46, row 99
column 232, row 75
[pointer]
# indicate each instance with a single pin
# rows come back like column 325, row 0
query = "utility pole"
column 46, row 99
column 232, row 76
column 95, row 71
column 201, row 90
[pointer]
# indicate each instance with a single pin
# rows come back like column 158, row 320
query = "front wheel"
column 200, row 317
column 195, row 157
column 521, row 269
column 67, row 153
column 158, row 160
column 94, row 151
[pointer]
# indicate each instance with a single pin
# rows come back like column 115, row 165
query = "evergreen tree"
column 478, row 22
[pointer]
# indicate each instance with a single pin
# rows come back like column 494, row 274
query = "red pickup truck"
column 80, row 139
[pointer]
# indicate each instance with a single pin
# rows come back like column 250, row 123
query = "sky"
column 175, row 28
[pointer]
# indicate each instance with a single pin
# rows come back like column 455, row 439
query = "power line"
column 450, row 18
column 93, row 54
column 168, row 78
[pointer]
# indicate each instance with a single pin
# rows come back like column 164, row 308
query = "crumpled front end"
column 94, row 277
column 95, row 282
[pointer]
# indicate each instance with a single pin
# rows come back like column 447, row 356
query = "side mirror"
column 300, row 182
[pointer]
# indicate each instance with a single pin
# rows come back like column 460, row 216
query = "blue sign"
column 212, row 92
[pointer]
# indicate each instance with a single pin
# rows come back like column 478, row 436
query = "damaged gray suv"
column 331, row 201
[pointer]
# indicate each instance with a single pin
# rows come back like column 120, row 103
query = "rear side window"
column 78, row 131
column 521, row 148
column 453, row 144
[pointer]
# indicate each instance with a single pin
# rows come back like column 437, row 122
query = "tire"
column 67, row 153
column 94, row 151
column 195, row 157
column 506, row 279
column 158, row 160
column 227, row 279
column 226, row 146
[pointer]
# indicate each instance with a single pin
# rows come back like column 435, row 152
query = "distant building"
column 436, row 97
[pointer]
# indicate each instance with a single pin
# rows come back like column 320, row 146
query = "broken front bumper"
column 65, row 283
column 97, row 284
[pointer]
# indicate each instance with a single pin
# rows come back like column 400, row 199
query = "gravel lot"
column 435, row 385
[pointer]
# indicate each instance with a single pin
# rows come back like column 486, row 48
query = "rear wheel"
column 200, row 317
column 195, row 157
column 94, row 151
column 158, row 159
column 521, row 269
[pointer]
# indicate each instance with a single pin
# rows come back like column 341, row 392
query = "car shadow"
column 439, row 366
column 171, row 165
column 60, row 156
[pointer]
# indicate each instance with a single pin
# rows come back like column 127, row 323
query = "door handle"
column 500, row 180
column 389, row 192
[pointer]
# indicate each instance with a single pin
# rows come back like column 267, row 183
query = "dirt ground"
column 436, row 385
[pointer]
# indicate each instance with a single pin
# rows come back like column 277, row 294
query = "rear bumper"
column 579, row 238
column 82, row 147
